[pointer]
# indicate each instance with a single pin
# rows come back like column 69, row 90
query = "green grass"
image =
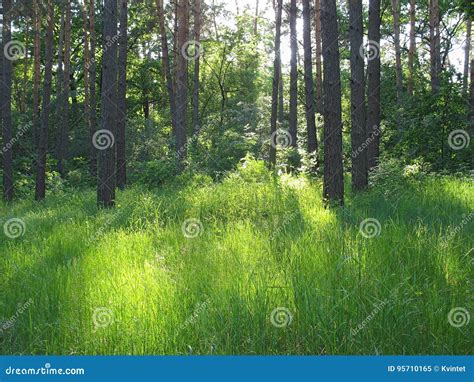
column 265, row 243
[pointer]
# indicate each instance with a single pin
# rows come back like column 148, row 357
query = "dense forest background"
column 214, row 62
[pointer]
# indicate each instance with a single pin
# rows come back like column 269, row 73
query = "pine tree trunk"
column 358, row 113
column 308, row 79
column 281, row 99
column 435, row 55
column 467, row 53
column 293, row 119
column 106, row 158
column 87, row 106
column 276, row 83
column 319, row 71
column 122, row 97
column 373, row 87
column 6, row 103
column 36, row 70
column 92, row 90
column 412, row 49
column 40, row 189
column 181, row 81
column 64, row 118
column 333, row 189
column 197, row 38
column 398, row 57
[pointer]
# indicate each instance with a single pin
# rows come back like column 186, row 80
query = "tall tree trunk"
column 276, row 83
column 435, row 54
column 166, row 63
column 467, row 53
column 59, row 83
column 92, row 67
column 373, row 86
column 308, row 79
column 293, row 75
column 106, row 158
column 281, row 100
column 333, row 189
column 87, row 106
column 181, row 81
column 122, row 97
column 398, row 57
column 64, row 119
column 358, row 113
column 6, row 102
column 319, row 71
column 197, row 38
column 412, row 48
column 36, row 70
column 40, row 189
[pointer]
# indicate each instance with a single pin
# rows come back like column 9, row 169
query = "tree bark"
column 308, row 79
column 87, row 106
column 106, row 158
column 36, row 70
column 398, row 56
column 40, row 189
column 6, row 103
column 358, row 113
column 64, row 84
column 412, row 48
column 181, row 81
column 293, row 119
column 276, row 82
column 373, row 87
column 92, row 66
column 467, row 53
column 319, row 71
column 122, row 97
column 333, row 188
column 197, row 38
column 435, row 54
column 166, row 63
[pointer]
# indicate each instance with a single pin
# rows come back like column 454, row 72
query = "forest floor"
column 263, row 268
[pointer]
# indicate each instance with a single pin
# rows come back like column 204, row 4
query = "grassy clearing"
column 128, row 281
